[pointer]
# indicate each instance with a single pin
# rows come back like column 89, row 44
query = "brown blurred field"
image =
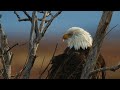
column 110, row 50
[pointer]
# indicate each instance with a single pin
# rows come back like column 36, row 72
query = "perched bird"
column 69, row 65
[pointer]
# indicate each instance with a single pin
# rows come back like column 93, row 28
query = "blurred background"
column 18, row 32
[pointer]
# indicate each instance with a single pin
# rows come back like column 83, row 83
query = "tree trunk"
column 97, row 43
column 6, row 56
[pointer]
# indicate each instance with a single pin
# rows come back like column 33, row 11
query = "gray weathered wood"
column 36, row 34
column 6, row 55
column 97, row 43
column 112, row 68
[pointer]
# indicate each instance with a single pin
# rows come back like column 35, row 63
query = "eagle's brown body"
column 69, row 65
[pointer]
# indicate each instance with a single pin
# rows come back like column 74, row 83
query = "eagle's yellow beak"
column 65, row 37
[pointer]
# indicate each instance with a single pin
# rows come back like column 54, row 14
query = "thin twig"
column 41, row 66
column 18, row 75
column 50, row 61
column 21, row 71
column 25, row 19
column 106, row 34
column 50, row 21
column 17, row 15
column 25, row 12
column 19, row 19
column 12, row 47
column 39, row 19
column 111, row 29
column 62, row 65
column 75, row 70
column 23, row 44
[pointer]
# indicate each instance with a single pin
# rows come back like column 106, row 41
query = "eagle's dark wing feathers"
column 69, row 65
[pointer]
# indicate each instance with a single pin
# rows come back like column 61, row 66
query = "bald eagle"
column 70, row 64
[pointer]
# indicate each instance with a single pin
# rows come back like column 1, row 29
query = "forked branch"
column 36, row 34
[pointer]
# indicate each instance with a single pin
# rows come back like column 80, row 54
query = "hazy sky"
column 85, row 19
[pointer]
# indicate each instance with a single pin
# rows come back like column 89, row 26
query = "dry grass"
column 110, row 51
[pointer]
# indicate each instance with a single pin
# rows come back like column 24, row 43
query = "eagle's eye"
column 70, row 34
column 66, row 36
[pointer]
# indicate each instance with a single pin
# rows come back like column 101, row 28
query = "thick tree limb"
column 95, row 50
column 43, row 21
column 6, row 55
column 36, row 27
column 32, row 31
column 32, row 48
column 36, row 34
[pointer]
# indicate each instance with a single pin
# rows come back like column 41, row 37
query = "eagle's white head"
column 78, row 38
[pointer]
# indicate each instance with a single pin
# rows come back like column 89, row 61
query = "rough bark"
column 36, row 34
column 97, row 43
column 6, row 55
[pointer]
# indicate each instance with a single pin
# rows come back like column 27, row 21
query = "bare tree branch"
column 32, row 49
column 112, row 68
column 111, row 30
column 35, row 37
column 11, row 59
column 43, row 21
column 95, row 50
column 36, row 34
column 105, row 35
column 19, row 19
column 17, row 15
column 6, row 55
column 32, row 31
column 11, row 47
column 36, row 27
column 50, row 21
column 25, row 12
column 25, row 19
column 41, row 11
